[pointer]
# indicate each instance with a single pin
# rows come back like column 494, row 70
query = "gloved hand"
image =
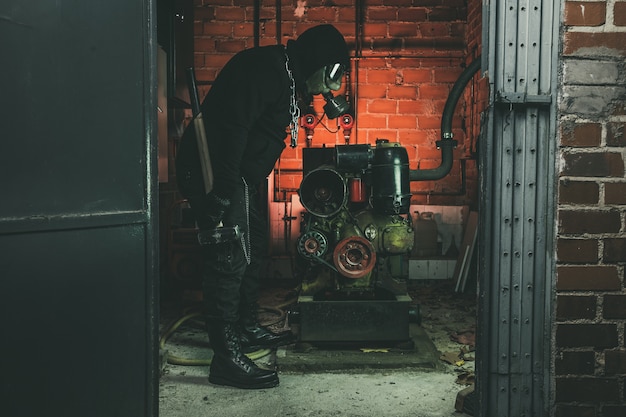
column 215, row 207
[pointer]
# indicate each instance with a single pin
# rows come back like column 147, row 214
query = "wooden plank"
column 466, row 252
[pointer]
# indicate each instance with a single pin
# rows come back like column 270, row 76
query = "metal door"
column 517, row 208
column 78, row 258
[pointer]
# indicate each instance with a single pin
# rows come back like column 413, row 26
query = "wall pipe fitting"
column 447, row 144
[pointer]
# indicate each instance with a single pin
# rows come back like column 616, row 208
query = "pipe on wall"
column 447, row 144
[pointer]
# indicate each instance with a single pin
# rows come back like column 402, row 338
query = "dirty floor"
column 324, row 381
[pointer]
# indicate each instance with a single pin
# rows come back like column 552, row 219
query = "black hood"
column 317, row 47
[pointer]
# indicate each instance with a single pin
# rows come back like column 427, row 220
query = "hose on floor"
column 177, row 360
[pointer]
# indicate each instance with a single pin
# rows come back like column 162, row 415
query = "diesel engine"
column 356, row 235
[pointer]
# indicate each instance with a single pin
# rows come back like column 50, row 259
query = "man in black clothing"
column 246, row 113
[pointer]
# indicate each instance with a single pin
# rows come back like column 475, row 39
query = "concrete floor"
column 323, row 381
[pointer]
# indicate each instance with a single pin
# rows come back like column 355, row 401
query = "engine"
column 356, row 235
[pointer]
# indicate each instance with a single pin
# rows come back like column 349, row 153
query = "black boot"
column 230, row 366
column 254, row 336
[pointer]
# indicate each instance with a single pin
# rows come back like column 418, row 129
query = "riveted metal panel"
column 517, row 208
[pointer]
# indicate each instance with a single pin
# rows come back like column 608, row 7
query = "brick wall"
column 590, row 354
column 411, row 54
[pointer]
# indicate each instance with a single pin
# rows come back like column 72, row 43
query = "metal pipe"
column 358, row 45
column 257, row 22
column 447, row 144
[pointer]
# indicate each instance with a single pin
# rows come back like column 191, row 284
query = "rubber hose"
column 176, row 360
column 446, row 143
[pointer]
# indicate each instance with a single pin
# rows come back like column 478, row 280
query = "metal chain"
column 294, row 110
column 245, row 243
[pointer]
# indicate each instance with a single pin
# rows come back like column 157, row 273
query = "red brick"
column 373, row 135
column 615, row 135
column 587, row 389
column 372, row 121
column 614, row 306
column 577, row 250
column 216, row 60
column 458, row 29
column 447, row 75
column 429, row 122
column 373, row 91
column 596, row 164
column 382, row 106
column 574, row 307
column 583, row 42
column 614, row 250
column 198, row 60
column 402, row 29
column 402, row 122
column 236, row 14
column 581, row 134
column 576, row 363
column 382, row 13
column 322, row 14
column 419, row 107
column 620, row 20
column 434, row 30
column 412, row 14
column 217, row 29
column 204, row 13
column 230, row 46
column 579, row 13
column 244, row 30
column 374, row 30
column 589, row 221
column 386, row 45
column 615, row 362
column 615, row 193
column 586, row 335
column 204, row 45
column 578, row 192
column 433, row 92
column 588, row 278
column 345, row 15
column 387, row 76
column 417, row 75
column 402, row 92
column 405, row 62
column 447, row 14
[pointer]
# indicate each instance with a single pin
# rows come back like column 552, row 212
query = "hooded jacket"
column 246, row 112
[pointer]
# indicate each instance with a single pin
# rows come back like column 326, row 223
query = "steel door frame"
column 516, row 250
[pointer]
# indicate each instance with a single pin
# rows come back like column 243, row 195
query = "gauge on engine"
column 371, row 232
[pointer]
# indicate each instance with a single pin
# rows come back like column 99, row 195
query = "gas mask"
column 325, row 80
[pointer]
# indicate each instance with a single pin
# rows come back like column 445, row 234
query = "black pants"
column 230, row 284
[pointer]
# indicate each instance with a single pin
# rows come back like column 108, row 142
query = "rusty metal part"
column 354, row 257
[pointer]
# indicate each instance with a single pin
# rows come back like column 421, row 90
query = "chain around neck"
column 294, row 110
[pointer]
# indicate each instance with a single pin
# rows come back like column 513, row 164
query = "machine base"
column 354, row 320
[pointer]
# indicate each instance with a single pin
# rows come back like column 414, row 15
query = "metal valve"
column 309, row 121
column 346, row 121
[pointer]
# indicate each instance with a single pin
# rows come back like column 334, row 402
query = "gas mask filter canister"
column 335, row 106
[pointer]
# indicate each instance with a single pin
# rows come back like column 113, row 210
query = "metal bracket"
column 523, row 99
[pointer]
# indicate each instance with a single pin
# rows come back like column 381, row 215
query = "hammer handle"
column 198, row 122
